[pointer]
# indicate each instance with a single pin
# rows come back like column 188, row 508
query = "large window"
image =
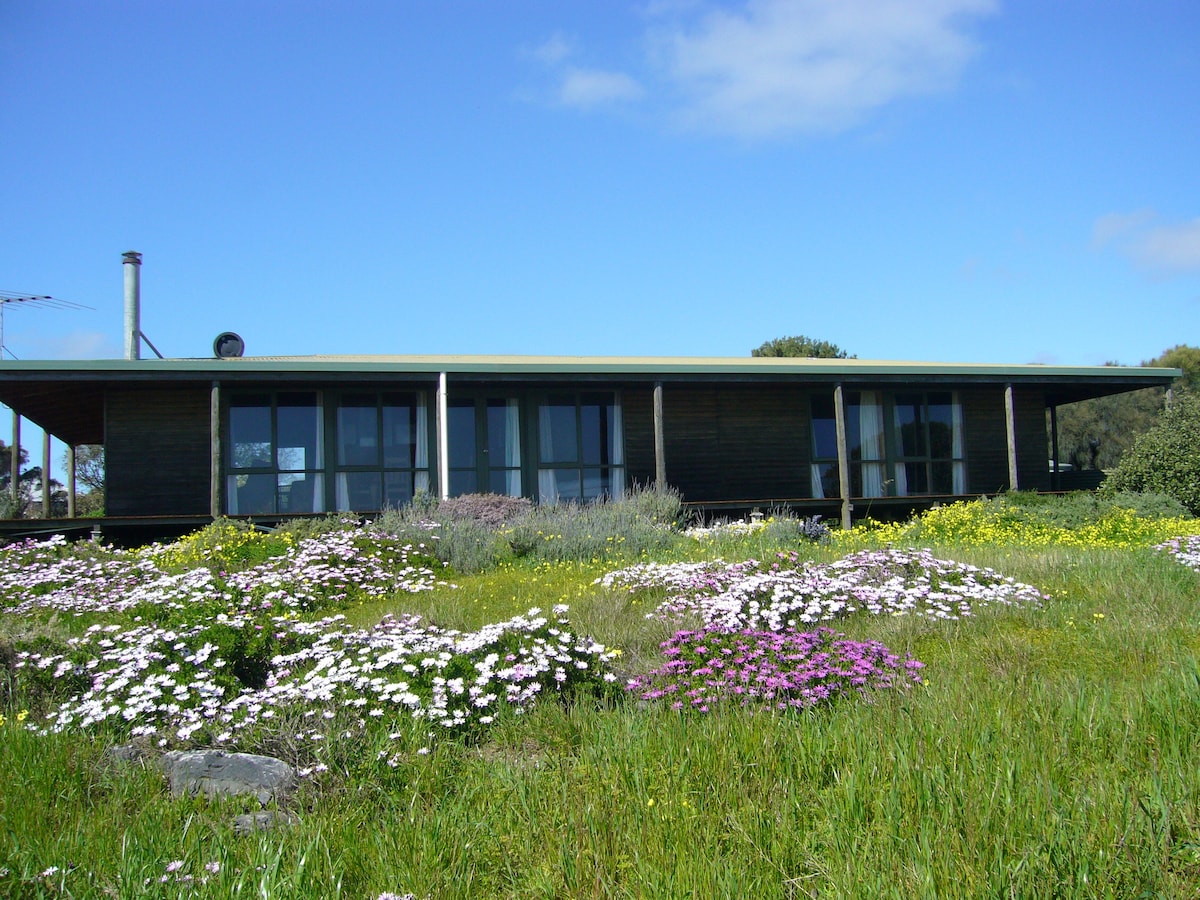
column 929, row 444
column 485, row 445
column 382, row 449
column 581, row 452
column 276, row 454
column 918, row 451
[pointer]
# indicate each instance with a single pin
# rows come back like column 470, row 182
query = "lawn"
column 999, row 699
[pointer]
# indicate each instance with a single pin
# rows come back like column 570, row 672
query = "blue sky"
column 953, row 180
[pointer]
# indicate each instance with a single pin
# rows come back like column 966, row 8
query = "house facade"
column 277, row 436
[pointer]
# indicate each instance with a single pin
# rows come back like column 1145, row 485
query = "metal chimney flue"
column 133, row 304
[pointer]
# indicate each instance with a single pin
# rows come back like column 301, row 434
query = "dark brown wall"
column 156, row 452
column 987, row 440
column 1033, row 452
column 726, row 443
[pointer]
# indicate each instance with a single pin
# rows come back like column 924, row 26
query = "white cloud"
column 555, row 49
column 1156, row 247
column 780, row 66
column 590, row 87
column 1171, row 248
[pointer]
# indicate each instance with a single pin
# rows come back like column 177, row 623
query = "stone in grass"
column 216, row 773
column 262, row 821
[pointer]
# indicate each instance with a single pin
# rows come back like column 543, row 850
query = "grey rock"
column 214, row 772
column 262, row 821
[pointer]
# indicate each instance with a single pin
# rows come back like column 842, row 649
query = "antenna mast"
column 44, row 301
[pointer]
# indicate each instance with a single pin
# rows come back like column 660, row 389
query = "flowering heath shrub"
column 792, row 669
column 1185, row 550
column 779, row 597
column 182, row 684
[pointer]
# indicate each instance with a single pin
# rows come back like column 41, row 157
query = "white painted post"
column 443, row 438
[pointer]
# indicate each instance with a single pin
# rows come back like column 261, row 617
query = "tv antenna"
column 43, row 301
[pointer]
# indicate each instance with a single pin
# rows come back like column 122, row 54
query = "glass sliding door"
column 276, row 453
column 382, row 449
column 581, row 452
column 485, row 445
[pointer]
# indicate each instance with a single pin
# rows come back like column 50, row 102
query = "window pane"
column 559, row 484
column 250, row 433
column 465, row 481
column 399, row 430
column 918, row 478
column 299, row 431
column 504, row 433
column 397, row 488
column 557, row 438
column 943, row 477
column 505, row 481
column 358, row 431
column 910, row 427
column 941, row 426
column 824, row 429
column 461, row 427
column 301, row 493
column 596, row 422
column 827, row 478
column 596, row 484
column 358, row 491
column 253, row 494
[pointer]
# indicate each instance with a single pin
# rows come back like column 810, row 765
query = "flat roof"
column 567, row 365
column 66, row 397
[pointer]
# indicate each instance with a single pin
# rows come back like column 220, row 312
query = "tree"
column 1115, row 422
column 1164, row 459
column 801, row 346
column 89, row 475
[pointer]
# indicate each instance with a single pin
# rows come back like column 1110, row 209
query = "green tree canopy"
column 801, row 346
column 1115, row 422
column 1164, row 459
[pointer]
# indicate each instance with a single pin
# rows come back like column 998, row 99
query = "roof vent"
column 228, row 345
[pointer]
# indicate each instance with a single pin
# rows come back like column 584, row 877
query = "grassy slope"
column 1054, row 753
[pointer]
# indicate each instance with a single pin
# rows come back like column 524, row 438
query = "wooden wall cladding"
column 156, row 452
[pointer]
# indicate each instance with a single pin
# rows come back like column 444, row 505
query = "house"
column 269, row 437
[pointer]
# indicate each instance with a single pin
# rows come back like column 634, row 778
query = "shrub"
column 1165, row 459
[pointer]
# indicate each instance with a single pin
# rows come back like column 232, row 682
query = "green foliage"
column 1115, row 422
column 1166, row 460
column 1181, row 356
column 801, row 346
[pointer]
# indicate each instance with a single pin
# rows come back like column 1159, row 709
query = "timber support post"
column 1010, row 422
column 660, row 444
column 839, row 413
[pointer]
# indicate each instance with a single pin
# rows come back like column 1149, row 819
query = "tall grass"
column 1052, row 752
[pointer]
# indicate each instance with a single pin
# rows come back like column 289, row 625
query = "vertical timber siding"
column 156, row 452
column 637, row 417
column 987, row 440
column 1033, row 453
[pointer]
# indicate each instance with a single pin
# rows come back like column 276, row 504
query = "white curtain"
column 960, row 465
column 512, row 448
column 818, row 489
column 870, row 431
column 421, row 441
column 618, row 449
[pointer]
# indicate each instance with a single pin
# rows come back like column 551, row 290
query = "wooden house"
column 269, row 437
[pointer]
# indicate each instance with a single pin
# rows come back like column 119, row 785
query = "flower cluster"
column 178, row 684
column 1185, row 550
column 792, row 669
column 781, row 596
column 314, row 573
